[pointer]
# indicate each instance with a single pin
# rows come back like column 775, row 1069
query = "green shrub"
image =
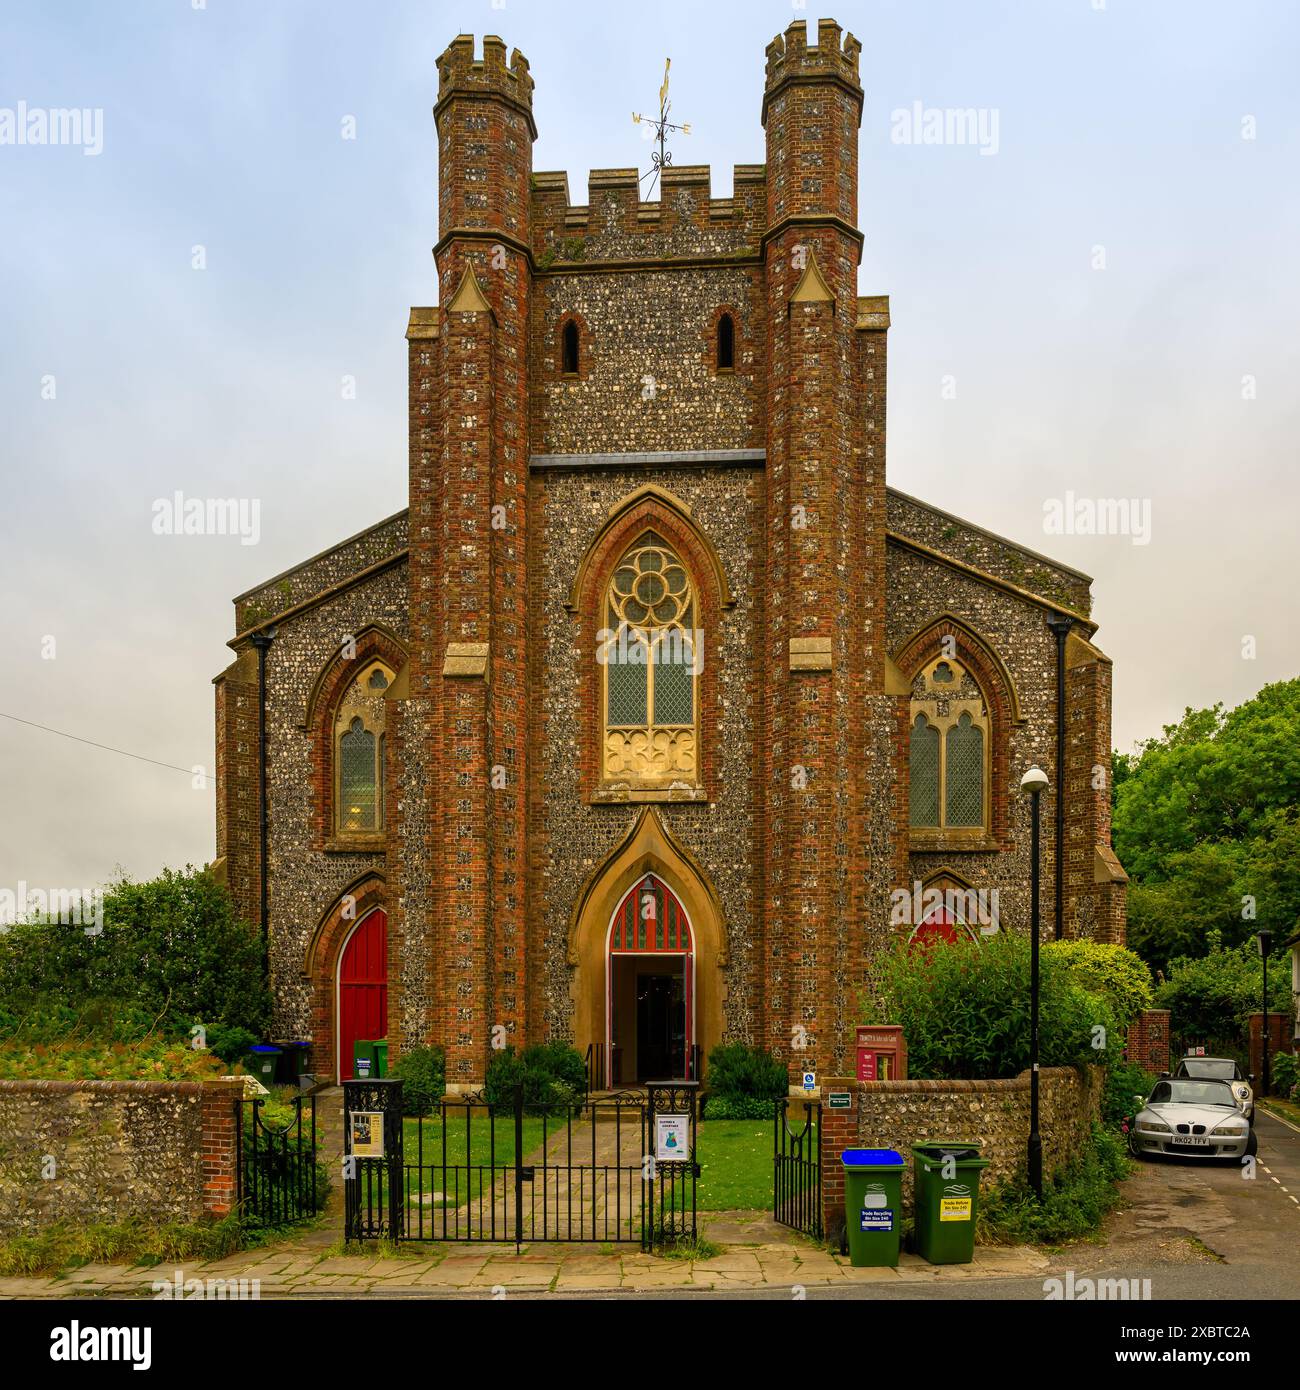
column 1283, row 1074
column 553, row 1075
column 964, row 1009
column 151, row 1059
column 1124, row 1080
column 733, row 1107
column 1117, row 974
column 1075, row 1201
column 738, row 1074
column 423, row 1073
column 230, row 1043
column 172, row 952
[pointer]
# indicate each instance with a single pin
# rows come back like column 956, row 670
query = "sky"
column 1094, row 301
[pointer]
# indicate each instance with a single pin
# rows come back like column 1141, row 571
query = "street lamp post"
column 1265, row 938
column 1033, row 782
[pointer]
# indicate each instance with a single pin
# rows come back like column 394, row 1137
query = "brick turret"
column 825, row 520
column 461, row 847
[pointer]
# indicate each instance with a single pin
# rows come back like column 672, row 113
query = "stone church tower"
column 648, row 723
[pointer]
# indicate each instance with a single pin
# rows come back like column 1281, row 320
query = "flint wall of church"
column 577, row 837
column 305, row 881
column 918, row 591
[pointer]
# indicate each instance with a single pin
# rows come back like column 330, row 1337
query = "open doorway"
column 650, row 988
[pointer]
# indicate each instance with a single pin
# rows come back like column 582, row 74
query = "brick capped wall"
column 155, row 1151
column 992, row 1114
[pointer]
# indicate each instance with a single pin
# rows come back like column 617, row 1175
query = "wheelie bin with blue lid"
column 873, row 1205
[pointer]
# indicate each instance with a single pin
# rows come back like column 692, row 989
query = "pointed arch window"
column 650, row 669
column 949, row 751
column 359, row 748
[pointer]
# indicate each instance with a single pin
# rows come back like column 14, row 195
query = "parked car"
column 1221, row 1069
column 1191, row 1118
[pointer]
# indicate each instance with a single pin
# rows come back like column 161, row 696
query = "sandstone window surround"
column 650, row 663
column 949, row 742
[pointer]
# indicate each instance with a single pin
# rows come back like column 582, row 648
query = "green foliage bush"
column 734, row 1107
column 230, row 1043
column 553, row 1075
column 1118, row 974
column 150, row 1059
column 423, row 1073
column 743, row 1082
column 964, row 1009
column 1124, row 1080
column 1075, row 1201
column 1283, row 1073
column 172, row 953
column 1211, row 996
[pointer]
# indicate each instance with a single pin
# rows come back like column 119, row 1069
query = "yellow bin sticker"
column 954, row 1209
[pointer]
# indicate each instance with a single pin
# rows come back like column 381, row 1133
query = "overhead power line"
column 108, row 748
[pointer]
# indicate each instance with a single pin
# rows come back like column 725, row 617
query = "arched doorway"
column 649, row 986
column 649, row 850
column 362, row 987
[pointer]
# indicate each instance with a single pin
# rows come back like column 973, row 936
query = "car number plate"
column 1202, row 1140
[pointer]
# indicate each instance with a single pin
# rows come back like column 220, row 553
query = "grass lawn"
column 735, row 1158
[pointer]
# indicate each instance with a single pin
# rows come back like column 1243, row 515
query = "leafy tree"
column 1207, row 823
column 172, row 953
column 1211, row 996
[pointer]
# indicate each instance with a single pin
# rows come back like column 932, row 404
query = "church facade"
column 658, row 717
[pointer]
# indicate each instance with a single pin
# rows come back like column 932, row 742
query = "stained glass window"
column 948, row 750
column 925, row 772
column 359, row 753
column 965, row 773
column 357, row 783
column 651, row 668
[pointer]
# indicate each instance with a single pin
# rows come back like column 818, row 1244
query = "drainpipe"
column 261, row 642
column 1060, row 624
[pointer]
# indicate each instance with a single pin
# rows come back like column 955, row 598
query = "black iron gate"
column 797, row 1169
column 585, row 1172
column 372, row 1159
column 277, row 1164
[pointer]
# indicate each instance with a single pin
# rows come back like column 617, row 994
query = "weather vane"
column 661, row 158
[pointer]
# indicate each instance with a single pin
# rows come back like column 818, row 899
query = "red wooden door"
column 363, row 987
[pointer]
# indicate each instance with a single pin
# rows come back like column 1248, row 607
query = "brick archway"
column 322, row 963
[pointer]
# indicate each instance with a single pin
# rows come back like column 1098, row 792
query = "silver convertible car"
column 1192, row 1118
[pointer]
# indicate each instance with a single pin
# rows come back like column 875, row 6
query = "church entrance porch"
column 650, row 1028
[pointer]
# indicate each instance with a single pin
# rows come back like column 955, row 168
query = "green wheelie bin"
column 365, row 1060
column 946, row 1196
column 262, row 1062
column 873, row 1205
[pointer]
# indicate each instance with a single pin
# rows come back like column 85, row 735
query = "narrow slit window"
column 726, row 343
column 570, row 348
